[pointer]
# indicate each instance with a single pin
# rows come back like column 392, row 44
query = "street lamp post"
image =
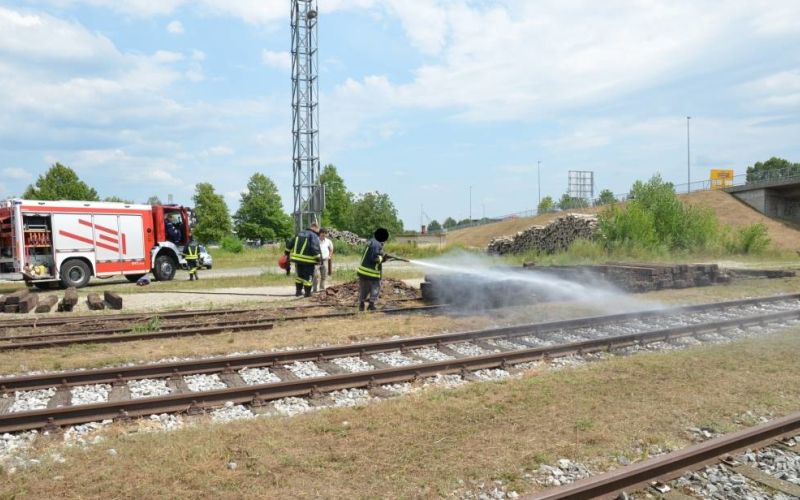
column 688, row 158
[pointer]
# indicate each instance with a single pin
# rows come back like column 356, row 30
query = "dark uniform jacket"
column 304, row 248
column 371, row 261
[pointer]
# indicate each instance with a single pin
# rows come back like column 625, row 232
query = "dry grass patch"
column 422, row 445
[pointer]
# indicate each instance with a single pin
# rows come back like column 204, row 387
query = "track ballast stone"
column 32, row 400
column 256, row 376
column 353, row 364
column 148, row 388
column 203, row 382
column 90, row 394
column 305, row 369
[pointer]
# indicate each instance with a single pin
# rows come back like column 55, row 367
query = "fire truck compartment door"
column 131, row 237
column 107, row 238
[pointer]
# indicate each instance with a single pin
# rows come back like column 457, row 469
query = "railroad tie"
column 46, row 304
column 95, row 302
column 69, row 301
column 113, row 300
column 28, row 303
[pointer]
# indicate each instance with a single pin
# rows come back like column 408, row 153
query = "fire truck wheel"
column 75, row 272
column 165, row 268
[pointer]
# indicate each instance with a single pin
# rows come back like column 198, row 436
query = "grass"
column 423, row 445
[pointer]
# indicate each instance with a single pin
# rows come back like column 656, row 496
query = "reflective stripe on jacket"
column 304, row 248
column 191, row 252
column 371, row 261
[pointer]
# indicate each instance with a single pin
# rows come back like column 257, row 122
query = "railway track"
column 654, row 477
column 258, row 379
column 209, row 324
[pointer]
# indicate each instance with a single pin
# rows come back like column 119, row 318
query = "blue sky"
column 419, row 98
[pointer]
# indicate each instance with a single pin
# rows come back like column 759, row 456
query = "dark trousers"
column 304, row 273
column 368, row 289
column 193, row 266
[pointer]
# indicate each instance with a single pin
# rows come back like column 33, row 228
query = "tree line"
column 260, row 216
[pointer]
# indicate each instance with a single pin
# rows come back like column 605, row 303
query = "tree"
column 434, row 226
column 546, row 205
column 260, row 215
column 338, row 200
column 117, row 199
column 373, row 210
column 154, row 200
column 211, row 213
column 606, row 198
column 567, row 202
column 449, row 223
column 60, row 183
column 773, row 168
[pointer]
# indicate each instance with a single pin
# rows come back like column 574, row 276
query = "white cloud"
column 220, row 151
column 198, row 55
column 779, row 90
column 279, row 60
column 17, row 174
column 175, row 27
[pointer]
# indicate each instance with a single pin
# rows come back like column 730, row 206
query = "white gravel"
column 148, row 388
column 492, row 374
column 353, row 364
column 82, row 434
column 467, row 349
column 90, row 394
column 203, row 382
column 164, row 422
column 566, row 471
column 775, row 462
column 393, row 358
column 231, row 412
column 404, row 388
column 256, row 376
column 720, row 482
column 444, row 381
column 291, row 406
column 13, row 448
column 306, row 369
column 32, row 400
column 431, row 354
column 350, row 397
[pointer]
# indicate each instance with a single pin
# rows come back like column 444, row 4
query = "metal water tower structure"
column 309, row 196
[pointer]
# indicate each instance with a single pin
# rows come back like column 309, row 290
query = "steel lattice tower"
column 309, row 197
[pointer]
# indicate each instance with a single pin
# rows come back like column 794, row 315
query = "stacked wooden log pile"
column 641, row 277
column 554, row 237
column 346, row 236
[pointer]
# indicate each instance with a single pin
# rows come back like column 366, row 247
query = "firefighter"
column 191, row 252
column 371, row 269
column 303, row 251
column 174, row 233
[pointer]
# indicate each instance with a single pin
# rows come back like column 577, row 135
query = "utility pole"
column 470, row 203
column 539, row 180
column 688, row 158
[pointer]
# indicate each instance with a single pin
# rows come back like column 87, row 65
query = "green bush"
column 232, row 244
column 656, row 218
column 752, row 239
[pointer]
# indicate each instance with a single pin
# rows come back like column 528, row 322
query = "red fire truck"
column 68, row 242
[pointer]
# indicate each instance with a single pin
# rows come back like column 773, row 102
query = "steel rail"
column 129, row 337
column 222, row 363
column 43, row 341
column 36, row 322
column 673, row 465
column 262, row 393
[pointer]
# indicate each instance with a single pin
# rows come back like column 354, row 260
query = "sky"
column 425, row 100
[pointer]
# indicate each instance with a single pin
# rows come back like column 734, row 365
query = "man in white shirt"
column 325, row 267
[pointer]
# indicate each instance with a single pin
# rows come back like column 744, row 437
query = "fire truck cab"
column 50, row 242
